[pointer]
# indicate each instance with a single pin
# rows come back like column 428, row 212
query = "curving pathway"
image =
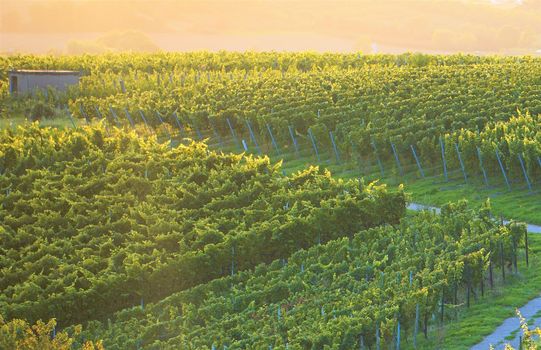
column 511, row 326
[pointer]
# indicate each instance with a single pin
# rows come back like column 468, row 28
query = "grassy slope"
column 517, row 204
column 57, row 122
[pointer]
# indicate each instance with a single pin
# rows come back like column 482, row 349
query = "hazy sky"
column 75, row 26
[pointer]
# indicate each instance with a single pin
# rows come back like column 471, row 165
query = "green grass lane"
column 469, row 326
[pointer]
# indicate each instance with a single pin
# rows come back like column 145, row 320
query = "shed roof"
column 44, row 71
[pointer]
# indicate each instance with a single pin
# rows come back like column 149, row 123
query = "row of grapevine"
column 409, row 100
column 96, row 220
column 374, row 104
column 367, row 291
column 227, row 61
column 503, row 150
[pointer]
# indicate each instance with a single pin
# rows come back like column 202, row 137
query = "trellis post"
column 380, row 165
column 98, row 113
column 442, row 146
column 129, row 118
column 481, row 166
column 314, row 144
column 72, row 121
column 233, row 134
column 215, row 132
column 417, row 161
column 295, row 145
column 180, row 127
column 83, row 113
column 524, row 172
column 115, row 117
column 144, row 120
column 502, row 169
column 461, row 162
column 377, row 337
column 272, row 139
column 397, row 159
column 334, row 146
column 122, row 86
column 252, row 136
column 526, row 247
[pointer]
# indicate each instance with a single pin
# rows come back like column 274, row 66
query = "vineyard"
column 185, row 200
column 318, row 298
column 387, row 114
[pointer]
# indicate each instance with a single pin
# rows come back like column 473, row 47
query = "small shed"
column 28, row 81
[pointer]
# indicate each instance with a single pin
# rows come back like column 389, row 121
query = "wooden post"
column 83, row 113
column 215, row 132
column 129, row 118
column 144, row 120
column 115, row 117
column 72, row 121
column 199, row 135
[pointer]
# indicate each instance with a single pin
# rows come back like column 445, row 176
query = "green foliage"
column 19, row 335
column 328, row 296
column 409, row 99
column 40, row 111
column 96, row 219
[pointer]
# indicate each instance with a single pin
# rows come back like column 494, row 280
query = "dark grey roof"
column 44, row 71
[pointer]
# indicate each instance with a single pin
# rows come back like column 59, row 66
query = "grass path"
column 509, row 330
column 469, row 326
